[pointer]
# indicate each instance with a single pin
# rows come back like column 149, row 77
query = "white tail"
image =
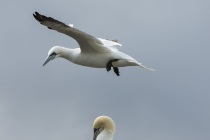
column 146, row 67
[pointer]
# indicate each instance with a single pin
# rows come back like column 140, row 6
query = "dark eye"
column 53, row 54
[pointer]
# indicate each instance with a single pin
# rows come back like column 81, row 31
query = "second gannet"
column 104, row 128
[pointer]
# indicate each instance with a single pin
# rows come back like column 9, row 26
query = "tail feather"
column 136, row 63
column 146, row 67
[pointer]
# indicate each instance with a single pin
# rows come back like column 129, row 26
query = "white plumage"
column 104, row 128
column 93, row 52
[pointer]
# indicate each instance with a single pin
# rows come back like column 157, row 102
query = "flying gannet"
column 104, row 128
column 93, row 52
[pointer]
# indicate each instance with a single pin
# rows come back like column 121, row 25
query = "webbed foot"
column 116, row 70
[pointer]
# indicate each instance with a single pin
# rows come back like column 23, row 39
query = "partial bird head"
column 103, row 124
column 53, row 53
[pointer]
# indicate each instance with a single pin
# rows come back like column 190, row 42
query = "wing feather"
column 87, row 42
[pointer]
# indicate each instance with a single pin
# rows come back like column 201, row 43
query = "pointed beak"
column 51, row 57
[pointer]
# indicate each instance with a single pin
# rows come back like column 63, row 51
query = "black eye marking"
column 53, row 54
column 96, row 132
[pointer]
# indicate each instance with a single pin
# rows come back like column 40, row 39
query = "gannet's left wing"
column 87, row 42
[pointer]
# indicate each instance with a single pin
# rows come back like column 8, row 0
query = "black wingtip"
column 37, row 13
column 34, row 16
column 42, row 18
column 38, row 16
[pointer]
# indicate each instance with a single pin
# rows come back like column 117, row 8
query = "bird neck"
column 70, row 54
column 105, row 135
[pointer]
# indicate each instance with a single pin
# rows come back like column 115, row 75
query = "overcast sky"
column 61, row 100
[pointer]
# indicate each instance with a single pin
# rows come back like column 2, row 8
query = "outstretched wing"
column 87, row 43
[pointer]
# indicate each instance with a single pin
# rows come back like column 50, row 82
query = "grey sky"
column 61, row 100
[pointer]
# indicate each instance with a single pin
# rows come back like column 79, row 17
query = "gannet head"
column 105, row 125
column 53, row 53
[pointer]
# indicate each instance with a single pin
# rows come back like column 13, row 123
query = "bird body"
column 97, row 60
column 105, row 135
column 93, row 52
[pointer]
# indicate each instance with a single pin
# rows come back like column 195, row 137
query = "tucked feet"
column 109, row 66
column 116, row 70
